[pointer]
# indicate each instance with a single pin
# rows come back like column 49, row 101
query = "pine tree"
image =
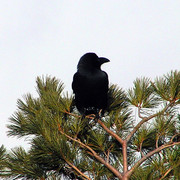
column 137, row 139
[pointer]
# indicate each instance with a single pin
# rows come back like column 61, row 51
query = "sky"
column 44, row 37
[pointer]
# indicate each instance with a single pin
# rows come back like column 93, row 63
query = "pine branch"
column 93, row 153
column 103, row 126
column 137, row 164
column 145, row 119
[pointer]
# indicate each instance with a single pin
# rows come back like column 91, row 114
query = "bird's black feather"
column 90, row 84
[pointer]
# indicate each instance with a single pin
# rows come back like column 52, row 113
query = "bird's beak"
column 103, row 60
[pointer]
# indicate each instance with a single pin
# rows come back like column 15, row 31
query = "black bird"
column 90, row 85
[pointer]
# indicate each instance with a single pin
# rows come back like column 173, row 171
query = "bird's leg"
column 83, row 116
column 98, row 115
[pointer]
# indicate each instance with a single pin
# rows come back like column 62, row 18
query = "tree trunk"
column 125, row 163
column 125, row 178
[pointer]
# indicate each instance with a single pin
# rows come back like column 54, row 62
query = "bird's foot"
column 98, row 115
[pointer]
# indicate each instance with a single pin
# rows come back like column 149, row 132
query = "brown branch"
column 166, row 173
column 75, row 115
column 157, row 141
column 71, row 165
column 93, row 153
column 107, row 159
column 145, row 119
column 139, row 113
column 76, row 169
column 149, row 155
column 174, row 137
column 142, row 154
column 157, row 146
column 125, row 162
column 108, row 153
column 121, row 141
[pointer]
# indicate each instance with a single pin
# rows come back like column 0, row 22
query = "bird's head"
column 91, row 61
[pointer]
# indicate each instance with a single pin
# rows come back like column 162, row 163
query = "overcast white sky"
column 40, row 37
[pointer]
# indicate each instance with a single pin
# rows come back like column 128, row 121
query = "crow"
column 90, row 85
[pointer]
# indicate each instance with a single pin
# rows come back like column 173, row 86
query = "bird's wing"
column 107, row 81
column 77, row 83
